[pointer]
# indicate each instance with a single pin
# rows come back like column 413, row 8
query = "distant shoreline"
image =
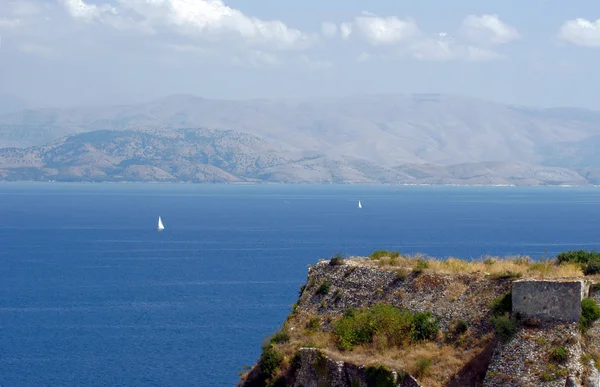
column 10, row 182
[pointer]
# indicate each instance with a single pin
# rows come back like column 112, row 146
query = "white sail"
column 359, row 205
column 160, row 224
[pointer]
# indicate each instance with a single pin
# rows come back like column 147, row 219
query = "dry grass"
column 446, row 360
column 495, row 267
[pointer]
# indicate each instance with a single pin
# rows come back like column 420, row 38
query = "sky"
column 98, row 52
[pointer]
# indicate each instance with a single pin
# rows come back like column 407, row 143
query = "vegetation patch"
column 379, row 376
column 378, row 254
column 505, row 327
column 337, row 260
column 502, row 305
column 324, row 288
column 422, row 367
column 588, row 260
column 391, row 326
column 269, row 361
column 558, row 355
column 590, row 312
column 280, row 337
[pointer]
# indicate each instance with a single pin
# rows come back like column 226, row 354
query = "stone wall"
column 549, row 299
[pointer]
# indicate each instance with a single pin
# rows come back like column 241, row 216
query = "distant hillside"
column 203, row 155
column 386, row 130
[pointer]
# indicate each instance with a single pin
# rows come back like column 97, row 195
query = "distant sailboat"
column 359, row 205
column 160, row 224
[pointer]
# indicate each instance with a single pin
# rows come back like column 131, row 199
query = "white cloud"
column 581, row 32
column 488, row 30
column 444, row 48
column 78, row 9
column 329, row 29
column 402, row 37
column 345, row 30
column 385, row 30
column 208, row 19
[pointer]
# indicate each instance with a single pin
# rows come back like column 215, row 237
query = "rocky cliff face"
column 478, row 341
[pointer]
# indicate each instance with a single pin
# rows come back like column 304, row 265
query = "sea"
column 91, row 294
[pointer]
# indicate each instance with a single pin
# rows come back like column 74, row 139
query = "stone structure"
column 557, row 300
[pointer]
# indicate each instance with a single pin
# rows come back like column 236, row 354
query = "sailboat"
column 359, row 205
column 160, row 224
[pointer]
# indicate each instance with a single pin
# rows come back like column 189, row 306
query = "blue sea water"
column 91, row 294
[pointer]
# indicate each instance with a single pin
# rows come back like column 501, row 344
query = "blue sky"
column 73, row 52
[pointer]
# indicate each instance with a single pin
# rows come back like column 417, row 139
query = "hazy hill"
column 385, row 129
column 203, row 155
column 377, row 138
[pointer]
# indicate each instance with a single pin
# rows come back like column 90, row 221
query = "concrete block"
column 558, row 300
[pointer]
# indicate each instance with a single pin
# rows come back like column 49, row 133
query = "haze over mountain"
column 419, row 138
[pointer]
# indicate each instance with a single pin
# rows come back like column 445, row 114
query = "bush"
column 502, row 305
column 504, row 327
column 420, row 265
column 460, row 327
column 357, row 327
column 590, row 312
column 559, row 355
column 591, row 268
column 578, row 256
column 280, row 337
column 269, row 361
column 378, row 254
column 313, row 324
column 337, row 260
column 424, row 327
column 324, row 288
column 379, row 376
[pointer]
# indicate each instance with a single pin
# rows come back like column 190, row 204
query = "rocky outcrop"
column 317, row 370
column 514, row 333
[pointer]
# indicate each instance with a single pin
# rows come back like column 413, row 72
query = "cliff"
column 390, row 320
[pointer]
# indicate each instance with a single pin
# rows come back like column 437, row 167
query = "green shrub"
column 460, row 327
column 424, row 327
column 502, row 305
column 591, row 268
column 280, row 337
column 269, row 361
column 378, row 254
column 420, row 265
column 559, row 355
column 379, row 376
column 337, row 260
column 313, row 324
column 578, row 256
column 324, row 288
column 504, row 327
column 360, row 326
column 590, row 312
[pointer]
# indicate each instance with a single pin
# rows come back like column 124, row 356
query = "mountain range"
column 396, row 139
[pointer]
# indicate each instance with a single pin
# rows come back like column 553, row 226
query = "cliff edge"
column 391, row 320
